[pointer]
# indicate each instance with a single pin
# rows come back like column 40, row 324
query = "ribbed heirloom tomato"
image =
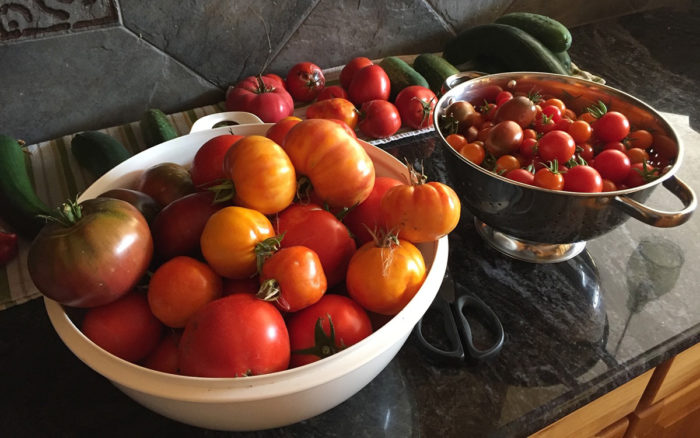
column 262, row 174
column 229, row 239
column 336, row 164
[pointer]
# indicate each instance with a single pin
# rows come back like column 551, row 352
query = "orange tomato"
column 420, row 211
column 473, row 152
column 335, row 108
column 580, row 131
column 507, row 162
column 637, row 155
column 553, row 101
column 279, row 130
column 180, row 287
column 336, row 164
column 384, row 277
column 456, row 141
column 229, row 240
column 640, row 138
column 263, row 175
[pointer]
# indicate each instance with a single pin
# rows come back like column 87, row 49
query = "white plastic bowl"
column 256, row 402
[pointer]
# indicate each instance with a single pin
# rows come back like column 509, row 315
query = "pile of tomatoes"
column 270, row 251
column 538, row 140
column 361, row 100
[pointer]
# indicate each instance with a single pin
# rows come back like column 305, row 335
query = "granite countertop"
column 574, row 330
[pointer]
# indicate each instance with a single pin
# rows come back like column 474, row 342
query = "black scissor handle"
column 455, row 355
column 493, row 324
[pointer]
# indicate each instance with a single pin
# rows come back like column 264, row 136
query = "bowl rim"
column 239, row 389
column 456, row 90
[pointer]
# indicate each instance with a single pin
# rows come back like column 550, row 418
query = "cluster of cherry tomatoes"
column 361, row 100
column 252, row 274
column 538, row 141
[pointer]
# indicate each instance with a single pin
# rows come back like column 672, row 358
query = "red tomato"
column 166, row 182
column 640, row 174
column 421, row 211
column 331, row 92
column 125, row 327
column 248, row 285
column 612, row 164
column 611, row 126
column 528, row 148
column 366, row 218
column 180, row 287
column 379, row 118
column 521, row 175
column 163, row 358
column 261, row 96
column 95, row 260
column 549, row 178
column 416, row 104
column 339, row 168
column 177, row 228
column 8, row 247
column 334, row 323
column 292, row 278
column 352, row 67
column 583, row 179
column 279, row 130
column 208, row 164
column 338, row 108
column 313, row 227
column 304, row 81
column 384, row 277
column 234, row 336
column 369, row 83
column 556, row 145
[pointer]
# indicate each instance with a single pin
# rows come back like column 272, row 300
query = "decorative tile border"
column 23, row 19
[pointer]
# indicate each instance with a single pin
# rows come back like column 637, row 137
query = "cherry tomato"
column 337, row 108
column 352, row 67
column 292, row 278
column 180, row 287
column 334, row 323
column 637, row 155
column 332, row 92
column 416, row 104
column 640, row 138
column 580, row 131
column 366, row 218
column 556, row 145
column 263, row 176
column 503, row 138
column 98, row 255
column 640, row 174
column 456, row 141
column 369, row 83
column 528, row 148
column 383, row 277
column 166, row 182
column 261, row 95
column 521, row 175
column 474, row 152
column 177, row 228
column 617, row 145
column 552, row 112
column 230, row 237
column 612, row 164
column 208, row 164
column 460, row 111
column 583, row 179
column 550, row 178
column 338, row 167
column 234, row 336
column 611, row 126
column 543, row 123
column 420, row 211
column 506, row 163
column 553, row 101
column 608, row 186
column 585, row 151
column 313, row 227
column 304, row 81
column 379, row 118
column 125, row 327
column 503, row 97
column 279, row 130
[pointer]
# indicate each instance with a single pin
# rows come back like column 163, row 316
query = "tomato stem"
column 264, row 249
column 269, row 290
column 69, row 213
column 324, row 345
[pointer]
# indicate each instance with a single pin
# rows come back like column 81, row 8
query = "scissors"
column 457, row 328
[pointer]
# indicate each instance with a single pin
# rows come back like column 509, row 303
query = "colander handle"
column 457, row 78
column 660, row 218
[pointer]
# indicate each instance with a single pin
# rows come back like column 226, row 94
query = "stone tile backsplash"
column 73, row 65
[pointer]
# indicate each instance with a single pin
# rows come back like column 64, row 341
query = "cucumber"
column 554, row 35
column 513, row 47
column 156, row 127
column 435, row 69
column 565, row 60
column 401, row 75
column 20, row 207
column 97, row 152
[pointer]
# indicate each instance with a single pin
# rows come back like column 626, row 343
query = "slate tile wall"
column 73, row 65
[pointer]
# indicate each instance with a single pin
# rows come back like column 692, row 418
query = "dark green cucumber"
column 20, row 207
column 156, row 127
column 401, row 75
column 98, row 152
column 435, row 69
column 550, row 32
column 509, row 45
column 564, row 59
